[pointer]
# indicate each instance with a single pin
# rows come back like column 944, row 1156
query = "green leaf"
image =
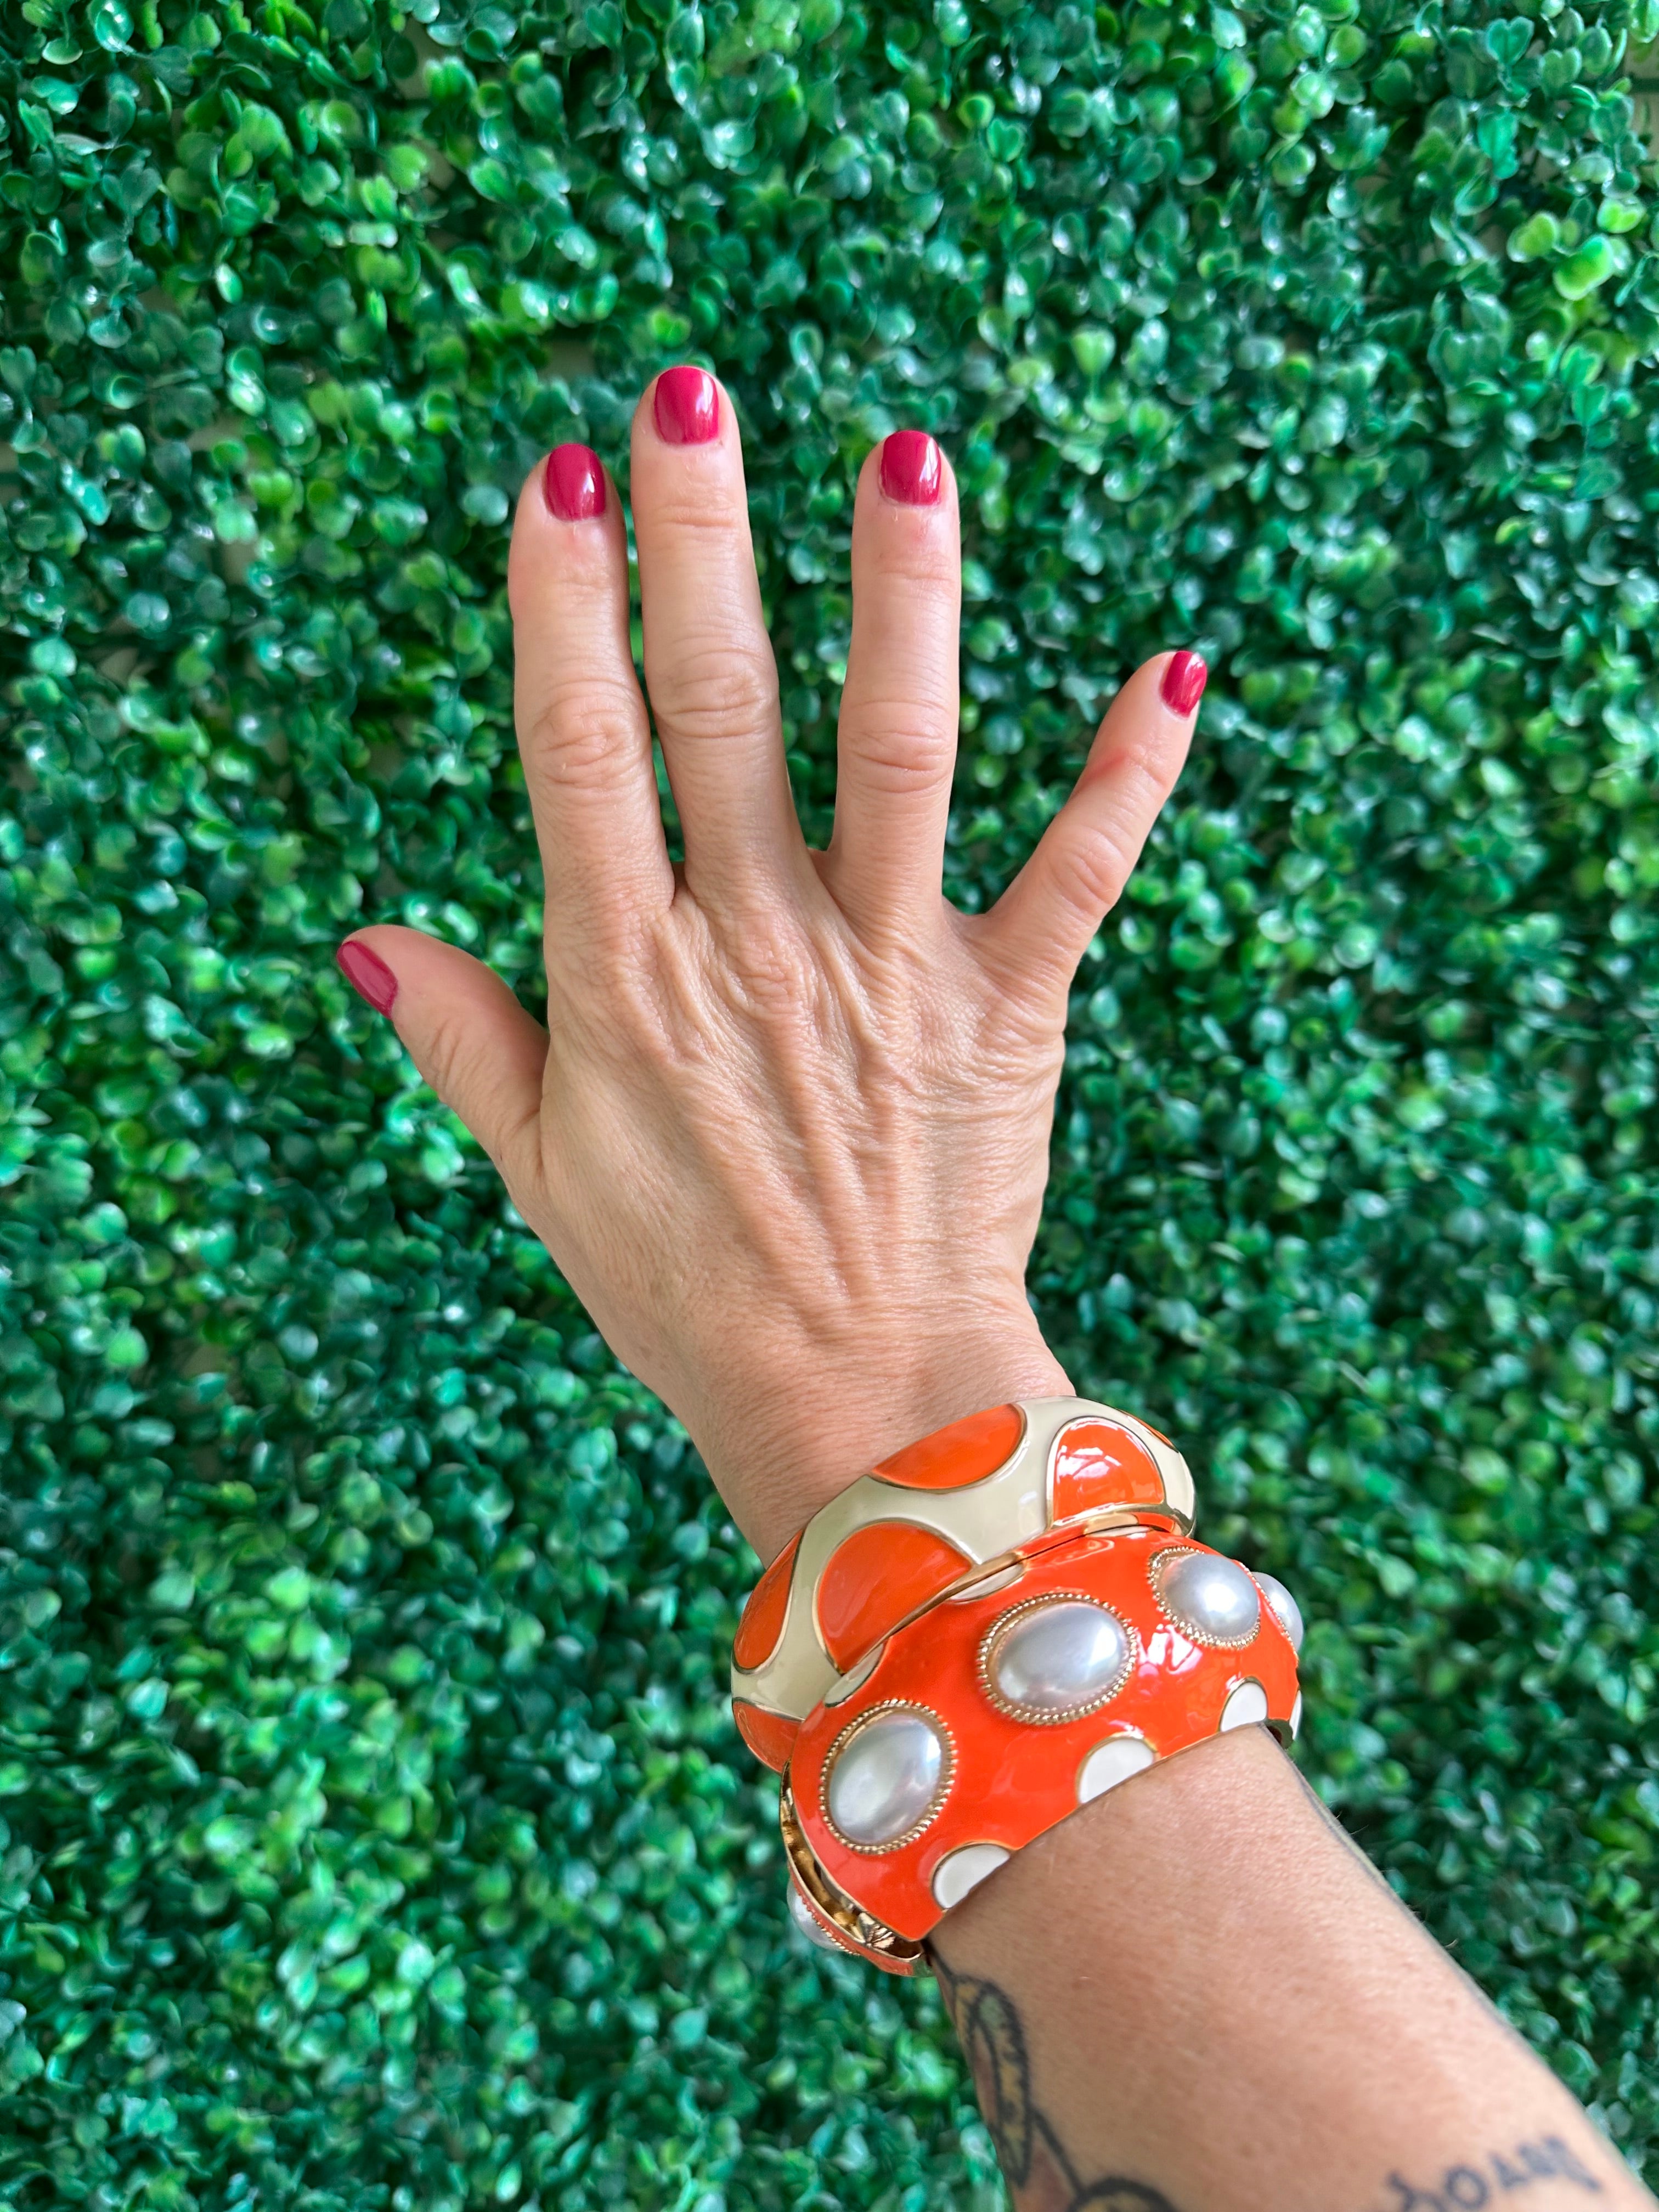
column 1584, row 271
column 112, row 26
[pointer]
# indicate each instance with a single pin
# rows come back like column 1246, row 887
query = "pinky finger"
column 467, row 1034
column 1038, row 930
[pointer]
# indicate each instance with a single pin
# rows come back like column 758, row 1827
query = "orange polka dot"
column 874, row 1578
column 770, row 1736
column 965, row 1452
column 761, row 1625
column 1098, row 1463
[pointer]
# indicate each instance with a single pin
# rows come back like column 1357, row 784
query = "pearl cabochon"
column 1057, row 1657
column 1212, row 1599
column 1284, row 1607
column 801, row 1913
column 886, row 1778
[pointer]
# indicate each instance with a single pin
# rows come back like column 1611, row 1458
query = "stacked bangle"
column 986, row 1632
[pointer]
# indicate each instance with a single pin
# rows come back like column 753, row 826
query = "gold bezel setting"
column 1155, row 1570
column 941, row 1789
column 997, row 1633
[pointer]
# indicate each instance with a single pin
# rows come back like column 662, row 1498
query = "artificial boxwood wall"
column 374, row 1833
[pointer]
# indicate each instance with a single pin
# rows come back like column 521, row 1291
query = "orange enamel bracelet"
column 988, row 1630
column 994, row 1714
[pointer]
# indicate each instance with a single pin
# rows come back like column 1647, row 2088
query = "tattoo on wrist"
column 1043, row 2178
column 1040, row 2176
column 1494, row 2177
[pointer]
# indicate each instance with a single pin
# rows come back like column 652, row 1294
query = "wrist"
column 789, row 1446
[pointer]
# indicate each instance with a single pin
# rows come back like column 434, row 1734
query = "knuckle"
column 753, row 959
column 592, row 939
column 714, row 692
column 583, row 727
column 1142, row 773
column 705, row 516
column 901, row 745
column 1091, row 873
column 928, row 566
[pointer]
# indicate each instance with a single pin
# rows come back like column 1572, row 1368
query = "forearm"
column 1196, row 1994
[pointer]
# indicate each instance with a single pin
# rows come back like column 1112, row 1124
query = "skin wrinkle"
column 586, row 743
column 710, row 696
column 832, row 1164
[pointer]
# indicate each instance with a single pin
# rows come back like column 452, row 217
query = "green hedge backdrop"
column 373, row 1831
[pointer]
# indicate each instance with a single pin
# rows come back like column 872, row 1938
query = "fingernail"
column 573, row 483
column 368, row 975
column 911, row 470
column 687, row 406
column 1183, row 682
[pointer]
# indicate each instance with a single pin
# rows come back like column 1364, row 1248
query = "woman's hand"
column 787, row 1132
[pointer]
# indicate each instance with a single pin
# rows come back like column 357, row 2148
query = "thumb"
column 464, row 1030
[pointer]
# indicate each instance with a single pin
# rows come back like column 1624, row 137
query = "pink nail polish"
column 573, row 483
column 911, row 469
column 1183, row 682
column 687, row 406
column 368, row 975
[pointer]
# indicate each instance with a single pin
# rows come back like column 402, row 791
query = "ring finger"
column 897, row 741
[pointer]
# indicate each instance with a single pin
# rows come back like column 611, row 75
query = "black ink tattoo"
column 1496, row 2175
column 1040, row 2178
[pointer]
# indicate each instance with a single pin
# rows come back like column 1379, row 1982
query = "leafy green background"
column 374, row 1832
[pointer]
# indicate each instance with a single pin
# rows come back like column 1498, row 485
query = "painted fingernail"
column 687, row 406
column 573, row 483
column 1183, row 682
column 368, row 975
column 911, row 469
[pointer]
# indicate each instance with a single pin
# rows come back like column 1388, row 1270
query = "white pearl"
column 1284, row 1607
column 1245, row 1707
column 1060, row 1657
column 801, row 1913
column 1110, row 1763
column 884, row 1778
column 1215, row 1600
column 959, row 1871
column 1295, row 1715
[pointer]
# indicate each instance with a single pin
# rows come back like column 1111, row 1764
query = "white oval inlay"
column 1246, row 1704
column 959, row 1871
column 1112, row 1762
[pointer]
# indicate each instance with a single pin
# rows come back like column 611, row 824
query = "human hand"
column 786, row 1134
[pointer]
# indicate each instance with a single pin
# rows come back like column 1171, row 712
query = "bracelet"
column 988, row 1630
column 928, row 1519
column 994, row 1716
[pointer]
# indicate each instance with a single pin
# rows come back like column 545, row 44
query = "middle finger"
column 708, row 667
